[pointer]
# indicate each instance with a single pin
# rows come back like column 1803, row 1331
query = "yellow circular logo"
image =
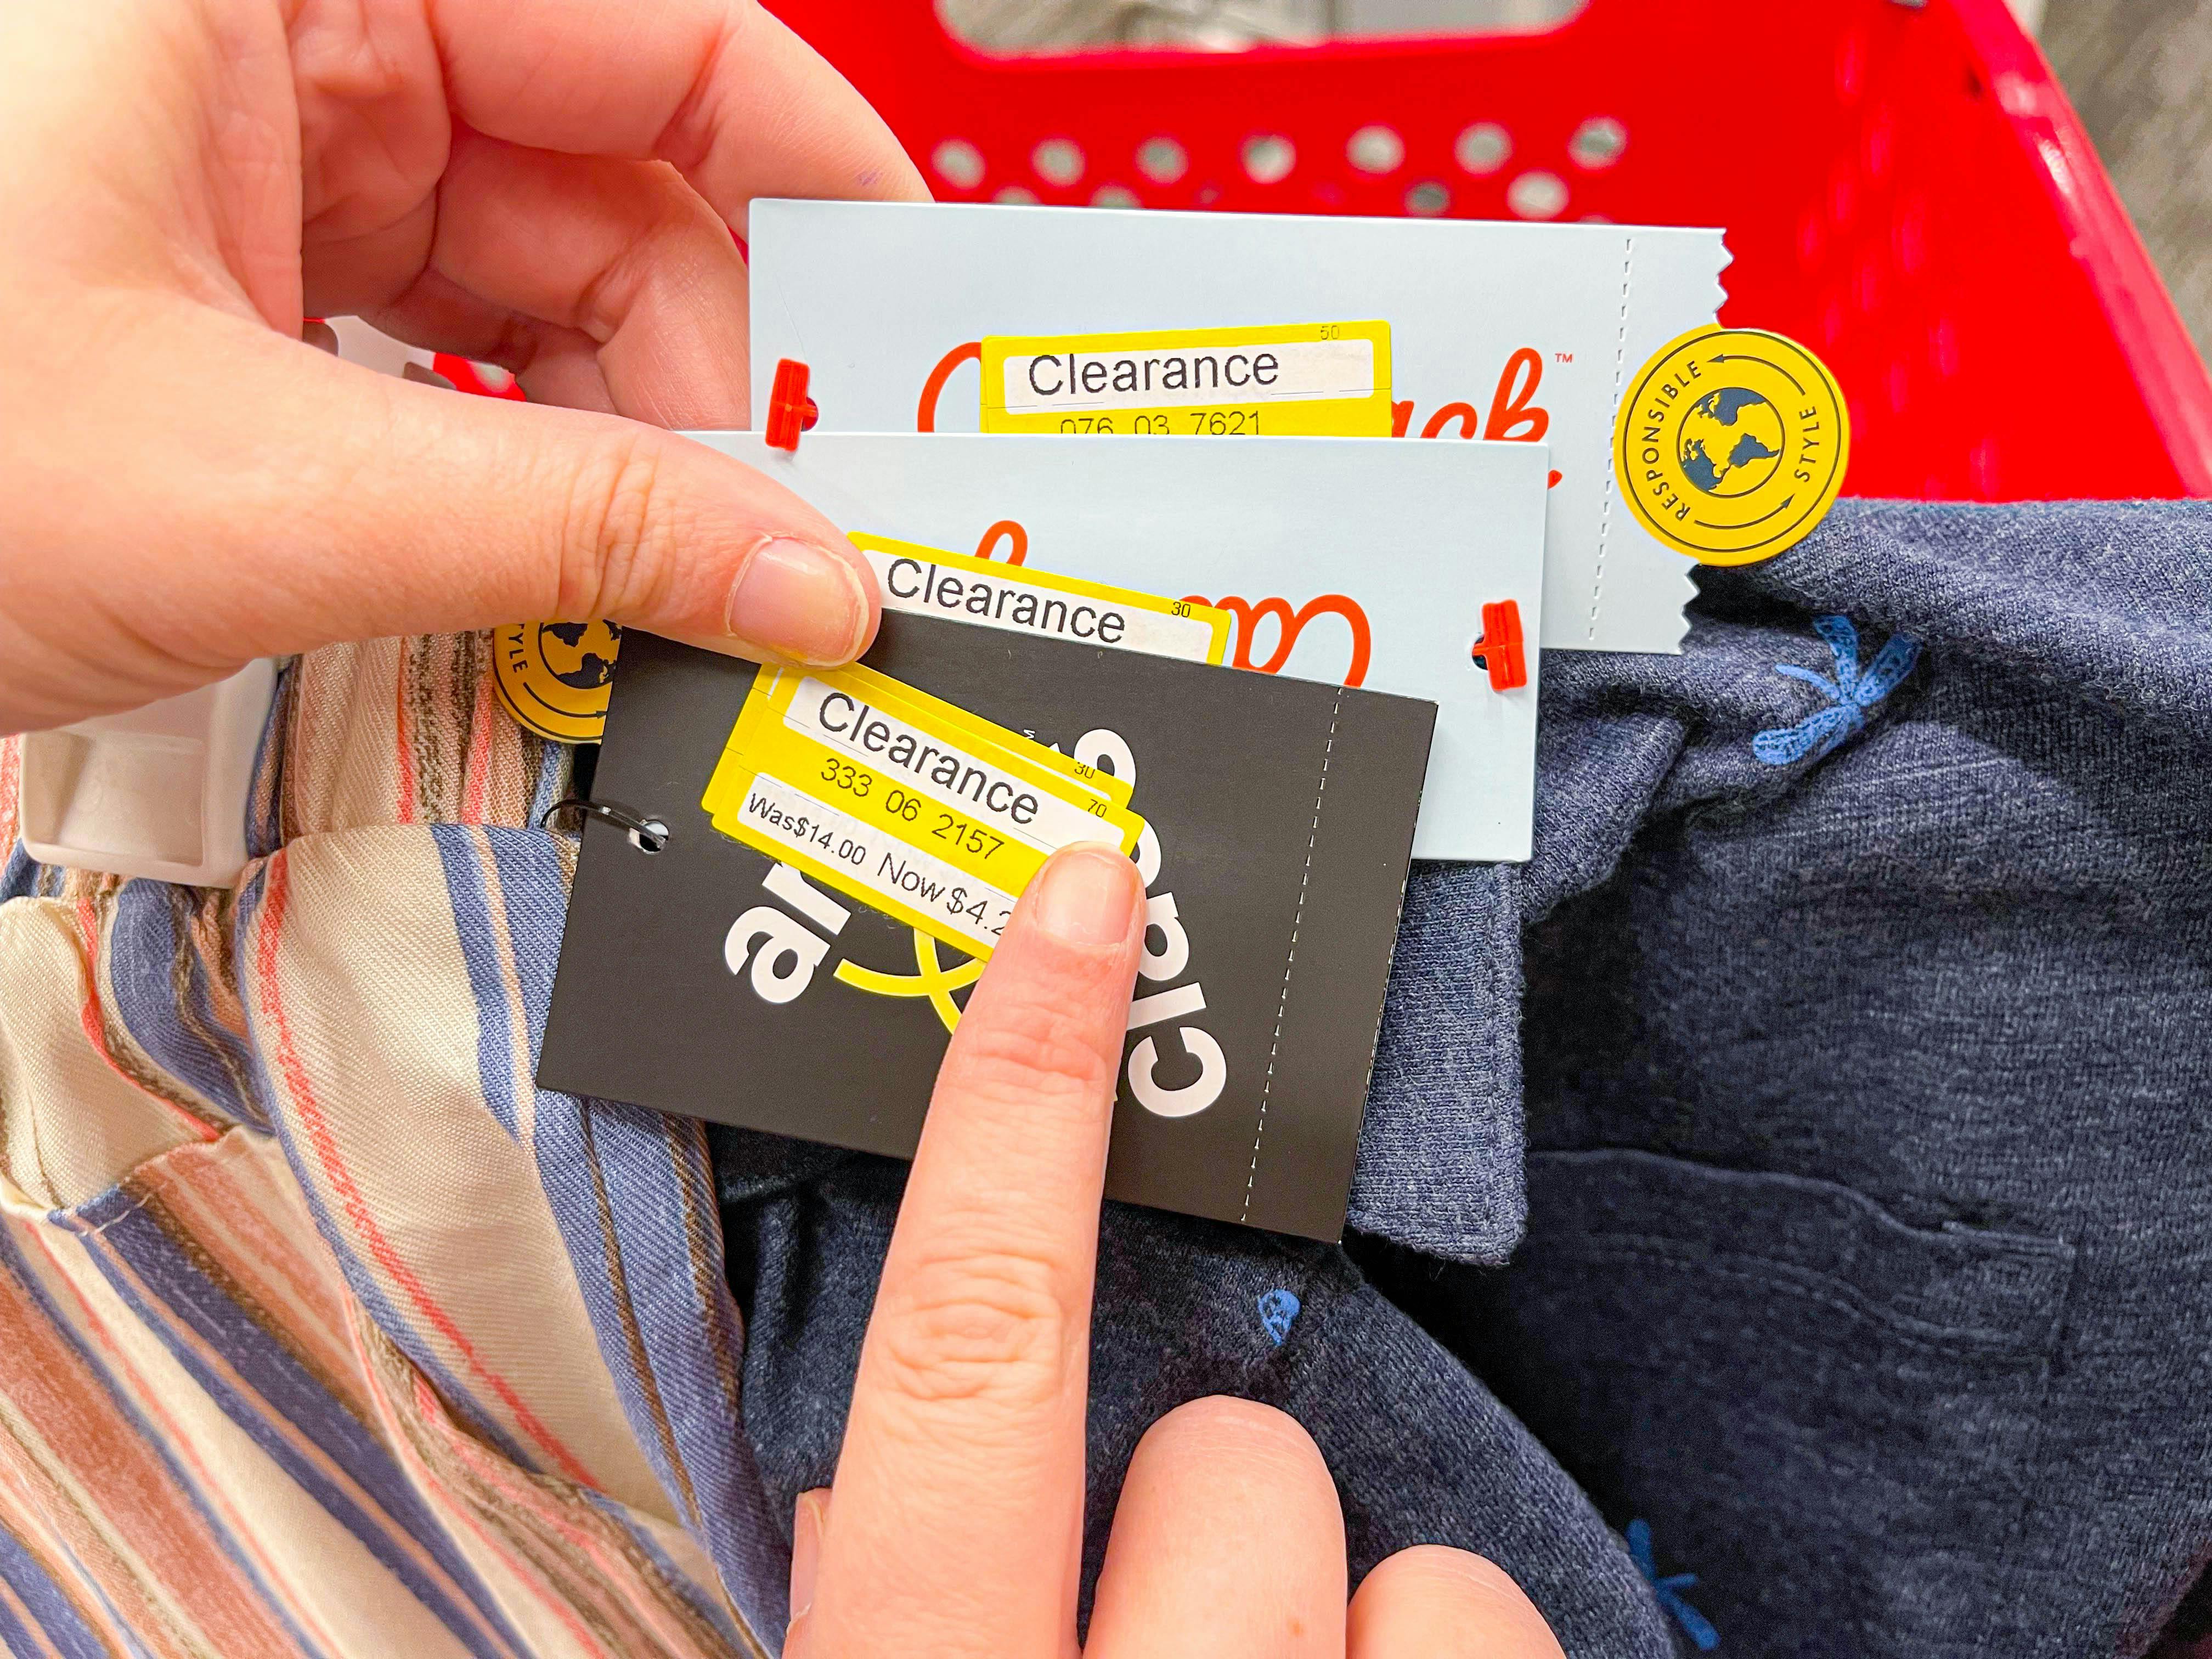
column 553, row 677
column 1729, row 446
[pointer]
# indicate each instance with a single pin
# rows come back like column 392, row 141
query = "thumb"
column 168, row 540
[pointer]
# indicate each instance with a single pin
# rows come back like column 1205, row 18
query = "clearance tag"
column 924, row 581
column 884, row 692
column 1277, row 819
column 1308, row 379
column 939, row 822
column 552, row 677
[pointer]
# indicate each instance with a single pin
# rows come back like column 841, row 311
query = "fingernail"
column 801, row 601
column 1087, row 895
column 806, row 1550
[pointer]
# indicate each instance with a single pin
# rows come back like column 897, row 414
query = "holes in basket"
column 1376, row 149
column 1114, row 195
column 1268, row 158
column 958, row 162
column 1015, row 195
column 1881, row 136
column 1482, row 149
column 1058, row 161
column 1163, row 159
column 1850, row 67
column 1943, row 347
column 1912, row 240
column 1537, row 194
column 1598, row 142
column 1983, row 463
column 1427, row 199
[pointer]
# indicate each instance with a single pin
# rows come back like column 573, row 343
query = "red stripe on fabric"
column 11, row 790
column 229, row 1220
column 334, row 1471
column 26, row 1620
column 403, row 805
column 456, row 1503
column 325, row 1141
column 135, row 1498
column 34, row 1529
column 478, row 785
column 180, row 1445
column 93, row 1017
column 520, row 1491
column 459, row 1505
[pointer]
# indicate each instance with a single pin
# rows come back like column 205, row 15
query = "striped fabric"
column 323, row 1330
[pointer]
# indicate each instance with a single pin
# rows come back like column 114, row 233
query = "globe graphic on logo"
column 580, row 654
column 1730, row 442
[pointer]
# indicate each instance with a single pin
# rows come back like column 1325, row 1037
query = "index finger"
column 721, row 89
column 957, row 1520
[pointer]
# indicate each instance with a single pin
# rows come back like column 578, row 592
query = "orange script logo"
column 1290, row 624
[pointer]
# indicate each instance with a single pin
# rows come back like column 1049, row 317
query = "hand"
column 955, row 1526
column 545, row 183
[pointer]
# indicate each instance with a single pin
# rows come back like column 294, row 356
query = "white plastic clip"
column 160, row 792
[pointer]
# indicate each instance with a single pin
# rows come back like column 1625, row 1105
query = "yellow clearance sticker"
column 1311, row 380
column 939, row 823
column 926, row 581
column 1729, row 446
column 884, row 691
column 553, row 677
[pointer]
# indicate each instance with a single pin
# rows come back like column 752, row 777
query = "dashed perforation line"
column 1619, row 377
column 1290, row 960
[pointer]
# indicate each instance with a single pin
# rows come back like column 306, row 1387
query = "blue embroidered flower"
column 1695, row 1626
column 1850, row 695
column 1277, row 1309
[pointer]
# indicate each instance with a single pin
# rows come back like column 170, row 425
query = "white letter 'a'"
column 783, row 940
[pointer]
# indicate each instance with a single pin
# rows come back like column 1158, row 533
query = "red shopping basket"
column 1904, row 188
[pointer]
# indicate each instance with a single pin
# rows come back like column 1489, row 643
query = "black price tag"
column 707, row 979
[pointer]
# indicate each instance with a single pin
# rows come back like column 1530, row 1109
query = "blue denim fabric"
column 1841, row 1051
column 1422, row 1452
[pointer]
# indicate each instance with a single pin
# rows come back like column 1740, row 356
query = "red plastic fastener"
column 1500, row 648
column 790, row 410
